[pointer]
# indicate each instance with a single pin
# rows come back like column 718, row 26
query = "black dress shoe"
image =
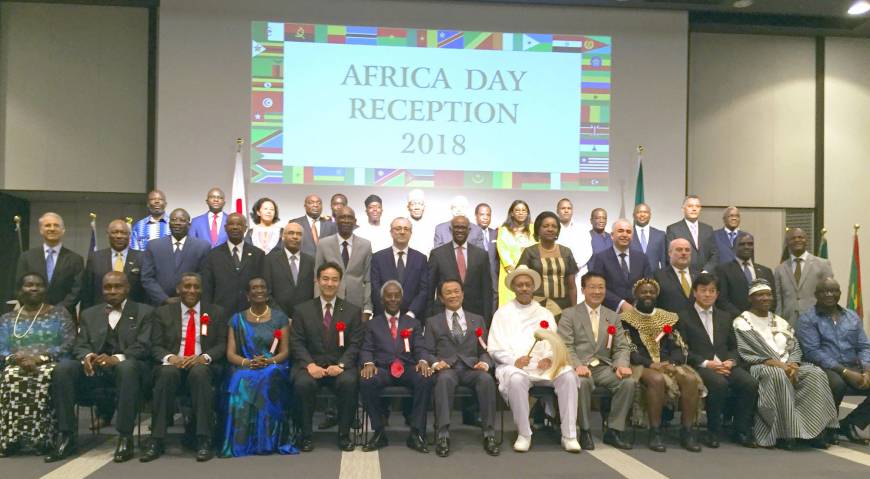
column 330, row 420
column 820, row 441
column 203, row 450
column 344, row 443
column 614, row 438
column 786, row 444
column 711, row 439
column 416, row 442
column 442, row 447
column 153, row 451
column 586, row 442
column 745, row 439
column 124, row 449
column 63, row 448
column 832, row 436
column 377, row 441
column 491, row 446
column 689, row 439
column 306, row 444
column 656, row 441
column 851, row 433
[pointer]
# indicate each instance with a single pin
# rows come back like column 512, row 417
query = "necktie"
column 797, row 270
column 345, row 256
column 49, row 264
column 190, row 335
column 400, row 266
column 177, row 253
column 694, row 228
column 643, row 239
column 294, row 270
column 394, row 327
column 237, row 262
column 623, row 265
column 456, row 328
column 119, row 262
column 708, row 324
column 486, row 239
column 396, row 367
column 214, row 230
column 314, row 233
column 731, row 236
column 593, row 319
column 327, row 319
column 460, row 263
column 684, row 283
column 747, row 272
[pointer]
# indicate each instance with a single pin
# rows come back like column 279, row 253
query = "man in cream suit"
column 796, row 278
column 354, row 254
column 586, row 329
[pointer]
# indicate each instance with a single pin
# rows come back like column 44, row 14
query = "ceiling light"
column 860, row 7
column 743, row 3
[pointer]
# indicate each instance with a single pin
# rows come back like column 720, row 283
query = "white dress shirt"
column 706, row 316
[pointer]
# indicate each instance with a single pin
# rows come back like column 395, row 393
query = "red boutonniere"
column 479, row 333
column 406, row 337
column 340, row 327
column 545, row 324
column 276, row 340
column 666, row 329
column 611, row 331
column 203, row 325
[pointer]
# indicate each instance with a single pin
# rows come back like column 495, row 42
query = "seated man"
column 112, row 347
column 833, row 338
column 329, row 362
column 457, row 352
column 192, row 362
column 522, row 361
column 599, row 355
column 393, row 354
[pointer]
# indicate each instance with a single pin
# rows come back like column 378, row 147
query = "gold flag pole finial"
column 856, row 226
column 639, row 149
column 93, row 216
column 16, row 219
column 239, row 142
column 824, row 231
column 129, row 220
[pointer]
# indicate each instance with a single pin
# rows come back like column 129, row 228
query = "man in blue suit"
column 648, row 239
column 621, row 267
column 209, row 226
column 725, row 236
column 487, row 237
column 167, row 258
column 405, row 265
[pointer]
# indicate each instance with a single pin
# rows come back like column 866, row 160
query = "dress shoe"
column 832, row 436
column 306, row 444
column 377, row 441
column 656, row 441
column 491, row 446
column 442, row 447
column 153, row 451
column 203, row 450
column 689, row 439
column 745, row 439
column 786, row 444
column 586, row 441
column 522, row 444
column 63, row 448
column 820, row 441
column 711, row 439
column 344, row 443
column 417, row 442
column 124, row 449
column 330, row 420
column 614, row 438
column 851, row 433
column 570, row 444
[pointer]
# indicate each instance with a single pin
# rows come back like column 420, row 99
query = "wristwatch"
column 341, row 365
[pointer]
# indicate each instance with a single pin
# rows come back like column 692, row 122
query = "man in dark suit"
column 601, row 240
column 648, row 239
column 289, row 272
column 192, row 362
column 60, row 266
column 209, row 226
column 675, row 279
column 313, row 225
column 166, row 258
column 227, row 270
column 393, row 354
column 476, row 277
column 735, row 276
column 705, row 256
column 621, row 267
column 488, row 236
column 117, row 257
column 405, row 265
column 111, row 349
column 326, row 355
column 456, row 349
column 709, row 335
column 726, row 236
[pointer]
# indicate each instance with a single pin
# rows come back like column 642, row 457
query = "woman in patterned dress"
column 555, row 263
column 32, row 340
column 794, row 400
column 514, row 236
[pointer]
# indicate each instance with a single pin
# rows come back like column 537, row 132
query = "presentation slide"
column 406, row 107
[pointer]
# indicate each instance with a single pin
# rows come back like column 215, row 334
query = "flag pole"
column 854, row 300
column 239, row 142
column 93, row 230
column 17, row 220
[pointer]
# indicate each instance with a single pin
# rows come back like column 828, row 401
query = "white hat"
column 520, row 271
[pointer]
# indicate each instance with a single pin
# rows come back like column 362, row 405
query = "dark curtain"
column 10, row 206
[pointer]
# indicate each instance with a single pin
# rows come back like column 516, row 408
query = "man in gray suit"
column 599, row 358
column 457, row 352
column 796, row 278
column 355, row 255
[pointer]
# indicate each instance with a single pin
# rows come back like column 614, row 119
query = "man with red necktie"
column 209, row 226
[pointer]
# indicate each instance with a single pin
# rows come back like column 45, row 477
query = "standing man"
column 621, row 267
column 705, row 256
column 648, row 239
column 675, row 280
column 153, row 226
column 61, row 267
column 166, row 258
column 483, row 218
column 727, row 234
column 405, row 265
column 117, row 257
column 599, row 358
column 289, row 272
column 337, row 202
column 313, row 225
column 226, row 271
column 601, row 239
column 797, row 277
column 209, row 226
column 458, row 207
column 735, row 276
column 374, row 230
column 424, row 229
column 354, row 254
column 574, row 235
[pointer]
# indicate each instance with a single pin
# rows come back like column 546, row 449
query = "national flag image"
column 638, row 188
column 593, row 164
column 823, row 245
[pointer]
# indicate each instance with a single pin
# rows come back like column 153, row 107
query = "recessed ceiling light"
column 860, row 7
column 743, row 3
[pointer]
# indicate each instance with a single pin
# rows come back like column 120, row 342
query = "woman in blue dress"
column 259, row 381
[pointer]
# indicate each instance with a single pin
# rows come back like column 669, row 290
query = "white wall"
column 204, row 95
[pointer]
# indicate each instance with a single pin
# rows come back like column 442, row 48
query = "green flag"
column 638, row 189
column 823, row 245
column 854, row 302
